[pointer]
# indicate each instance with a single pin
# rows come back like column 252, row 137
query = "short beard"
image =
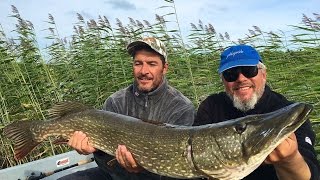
column 246, row 105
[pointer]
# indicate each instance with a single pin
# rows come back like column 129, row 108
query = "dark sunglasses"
column 232, row 74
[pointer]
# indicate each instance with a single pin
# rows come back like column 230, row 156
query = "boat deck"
column 50, row 168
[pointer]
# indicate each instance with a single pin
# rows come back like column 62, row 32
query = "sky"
column 232, row 16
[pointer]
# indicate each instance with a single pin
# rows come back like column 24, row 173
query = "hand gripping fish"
column 226, row 150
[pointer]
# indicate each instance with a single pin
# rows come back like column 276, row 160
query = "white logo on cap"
column 234, row 53
column 308, row 140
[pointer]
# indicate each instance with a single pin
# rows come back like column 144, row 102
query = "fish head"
column 263, row 133
column 242, row 144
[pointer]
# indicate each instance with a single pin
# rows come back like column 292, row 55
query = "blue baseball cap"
column 239, row 55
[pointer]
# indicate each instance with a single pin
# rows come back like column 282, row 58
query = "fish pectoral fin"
column 60, row 140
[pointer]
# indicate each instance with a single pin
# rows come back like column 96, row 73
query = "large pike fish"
column 227, row 150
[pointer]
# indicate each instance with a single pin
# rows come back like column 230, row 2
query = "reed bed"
column 94, row 63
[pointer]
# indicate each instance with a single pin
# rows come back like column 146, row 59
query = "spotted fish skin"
column 227, row 150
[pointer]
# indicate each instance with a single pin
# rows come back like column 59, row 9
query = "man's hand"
column 284, row 152
column 126, row 160
column 80, row 142
column 288, row 161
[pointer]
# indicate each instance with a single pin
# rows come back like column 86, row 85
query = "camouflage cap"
column 154, row 43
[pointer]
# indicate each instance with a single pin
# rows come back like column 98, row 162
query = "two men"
column 244, row 77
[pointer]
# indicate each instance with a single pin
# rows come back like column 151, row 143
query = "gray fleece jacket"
column 164, row 104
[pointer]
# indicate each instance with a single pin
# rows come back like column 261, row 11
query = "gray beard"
column 248, row 104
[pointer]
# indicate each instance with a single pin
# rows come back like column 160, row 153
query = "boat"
column 50, row 168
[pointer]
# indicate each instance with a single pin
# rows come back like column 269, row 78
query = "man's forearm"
column 295, row 169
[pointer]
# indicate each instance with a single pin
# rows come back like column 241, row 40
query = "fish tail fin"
column 22, row 137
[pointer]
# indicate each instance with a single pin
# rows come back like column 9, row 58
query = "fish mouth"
column 275, row 127
column 302, row 116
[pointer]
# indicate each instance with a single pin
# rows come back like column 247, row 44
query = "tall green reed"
column 93, row 64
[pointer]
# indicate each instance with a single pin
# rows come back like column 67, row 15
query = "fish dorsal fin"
column 66, row 107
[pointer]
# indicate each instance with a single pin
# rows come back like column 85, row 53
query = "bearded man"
column 244, row 78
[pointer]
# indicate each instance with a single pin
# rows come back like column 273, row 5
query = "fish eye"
column 240, row 127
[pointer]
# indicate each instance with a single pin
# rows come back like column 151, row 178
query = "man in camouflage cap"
column 148, row 98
